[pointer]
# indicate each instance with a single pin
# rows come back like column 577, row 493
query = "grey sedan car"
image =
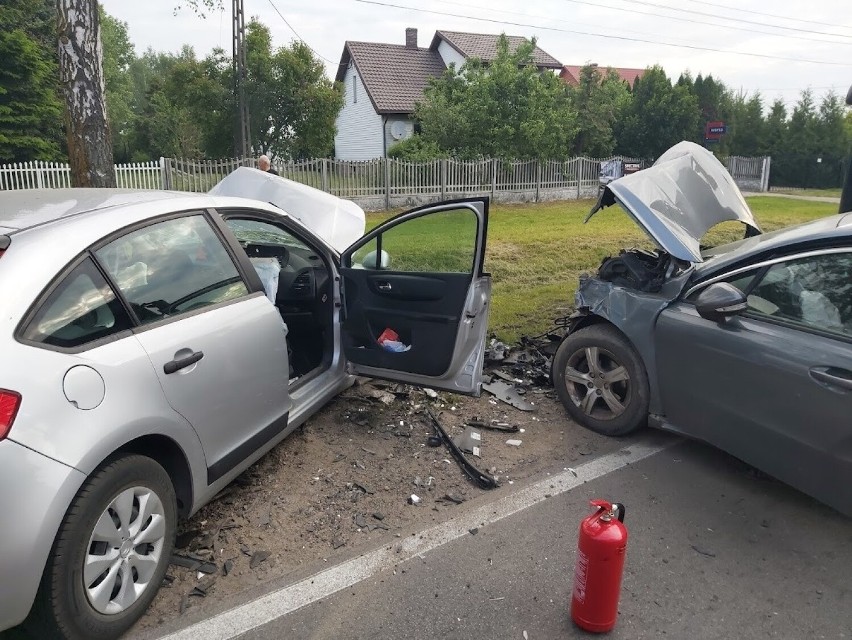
column 747, row 346
column 155, row 344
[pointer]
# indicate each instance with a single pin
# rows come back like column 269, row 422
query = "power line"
column 770, row 15
column 602, row 35
column 714, row 24
column 743, row 20
column 646, row 13
column 298, row 37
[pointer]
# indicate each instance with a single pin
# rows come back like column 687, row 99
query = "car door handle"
column 833, row 376
column 182, row 363
column 384, row 285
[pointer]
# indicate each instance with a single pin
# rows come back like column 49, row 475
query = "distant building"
column 571, row 74
column 383, row 82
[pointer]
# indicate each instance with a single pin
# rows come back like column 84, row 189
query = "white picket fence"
column 380, row 183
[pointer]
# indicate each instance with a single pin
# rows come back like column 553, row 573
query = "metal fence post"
column 387, row 183
column 493, row 178
column 537, row 180
column 767, row 163
column 165, row 173
column 443, row 179
column 325, row 175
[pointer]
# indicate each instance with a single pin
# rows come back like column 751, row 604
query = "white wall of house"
column 359, row 127
column 450, row 55
column 406, row 128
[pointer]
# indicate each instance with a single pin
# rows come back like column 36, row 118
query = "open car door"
column 415, row 298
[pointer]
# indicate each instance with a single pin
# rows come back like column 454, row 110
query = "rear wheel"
column 601, row 381
column 110, row 554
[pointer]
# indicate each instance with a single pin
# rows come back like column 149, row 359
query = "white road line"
column 265, row 609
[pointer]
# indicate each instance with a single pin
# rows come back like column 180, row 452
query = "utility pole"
column 239, row 32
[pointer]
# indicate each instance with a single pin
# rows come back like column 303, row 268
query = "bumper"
column 35, row 492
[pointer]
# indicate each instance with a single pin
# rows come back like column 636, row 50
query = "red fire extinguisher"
column 600, row 563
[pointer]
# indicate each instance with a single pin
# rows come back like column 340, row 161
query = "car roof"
column 825, row 231
column 32, row 207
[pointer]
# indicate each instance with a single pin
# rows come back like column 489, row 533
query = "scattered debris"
column 508, row 394
column 505, row 427
column 360, row 521
column 414, row 499
column 193, row 563
column 473, row 531
column 378, row 515
column 434, row 441
column 227, row 567
column 203, row 587
column 363, row 487
column 337, row 542
column 257, row 558
column 452, row 497
column 703, row 552
column 184, row 539
column 470, row 442
column 514, row 443
column 167, row 580
column 431, row 392
column 484, row 480
column 572, row 471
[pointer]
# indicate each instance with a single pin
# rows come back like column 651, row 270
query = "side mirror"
column 720, row 301
column 373, row 261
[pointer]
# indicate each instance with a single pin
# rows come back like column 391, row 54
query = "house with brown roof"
column 571, row 74
column 382, row 83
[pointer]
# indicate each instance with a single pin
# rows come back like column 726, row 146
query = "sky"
column 801, row 45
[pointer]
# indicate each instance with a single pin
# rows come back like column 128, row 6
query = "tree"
column 599, row 98
column 659, row 116
column 746, row 127
column 118, row 56
column 29, row 107
column 183, row 105
column 775, row 130
column 505, row 109
column 293, row 106
column 81, row 76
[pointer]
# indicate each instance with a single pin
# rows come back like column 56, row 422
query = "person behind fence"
column 264, row 164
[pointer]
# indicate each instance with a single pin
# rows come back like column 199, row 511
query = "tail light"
column 10, row 401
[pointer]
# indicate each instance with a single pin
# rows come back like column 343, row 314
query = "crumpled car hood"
column 337, row 221
column 682, row 196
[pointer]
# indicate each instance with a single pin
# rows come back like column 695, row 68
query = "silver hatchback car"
column 155, row 344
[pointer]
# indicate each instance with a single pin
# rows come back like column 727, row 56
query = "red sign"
column 714, row 130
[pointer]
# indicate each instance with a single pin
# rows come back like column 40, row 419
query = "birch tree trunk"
column 81, row 76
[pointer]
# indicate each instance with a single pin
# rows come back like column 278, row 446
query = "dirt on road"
column 344, row 482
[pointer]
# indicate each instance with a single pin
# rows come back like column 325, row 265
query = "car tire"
column 610, row 397
column 123, row 521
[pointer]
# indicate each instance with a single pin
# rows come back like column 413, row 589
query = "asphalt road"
column 716, row 550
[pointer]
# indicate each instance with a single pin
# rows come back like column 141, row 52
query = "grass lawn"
column 536, row 252
column 831, row 193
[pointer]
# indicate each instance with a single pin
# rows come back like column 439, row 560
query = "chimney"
column 411, row 38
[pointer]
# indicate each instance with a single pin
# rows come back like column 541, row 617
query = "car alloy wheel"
column 597, row 383
column 601, row 381
column 124, row 550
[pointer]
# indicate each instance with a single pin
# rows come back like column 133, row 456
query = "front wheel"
column 601, row 380
column 110, row 554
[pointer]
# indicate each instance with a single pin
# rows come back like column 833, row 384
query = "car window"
column 81, row 309
column 172, row 267
column 440, row 242
column 257, row 232
column 815, row 292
